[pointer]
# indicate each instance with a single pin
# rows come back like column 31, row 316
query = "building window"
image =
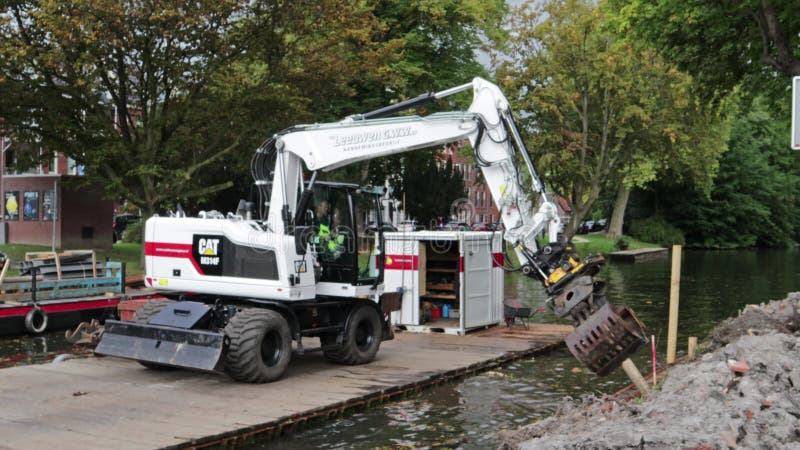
column 30, row 206
column 11, row 203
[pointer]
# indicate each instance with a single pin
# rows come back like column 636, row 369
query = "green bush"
column 133, row 233
column 622, row 243
column 656, row 229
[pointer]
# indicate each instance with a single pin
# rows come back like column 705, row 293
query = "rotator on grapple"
column 605, row 334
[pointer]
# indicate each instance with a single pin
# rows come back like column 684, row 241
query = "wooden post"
column 674, row 294
column 633, row 373
column 5, row 270
column 692, row 346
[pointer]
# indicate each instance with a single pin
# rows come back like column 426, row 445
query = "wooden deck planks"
column 638, row 254
column 129, row 407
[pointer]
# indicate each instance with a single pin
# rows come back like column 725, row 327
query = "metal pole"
column 3, row 149
column 53, row 214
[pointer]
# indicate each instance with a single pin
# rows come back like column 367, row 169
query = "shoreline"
column 713, row 401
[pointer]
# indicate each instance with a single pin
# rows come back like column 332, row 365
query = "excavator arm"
column 605, row 335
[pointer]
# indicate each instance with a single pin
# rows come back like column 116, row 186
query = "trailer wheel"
column 143, row 315
column 361, row 340
column 260, row 347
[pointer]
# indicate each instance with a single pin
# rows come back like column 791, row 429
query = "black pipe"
column 387, row 111
column 33, row 285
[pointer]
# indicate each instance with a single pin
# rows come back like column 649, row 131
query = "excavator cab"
column 334, row 218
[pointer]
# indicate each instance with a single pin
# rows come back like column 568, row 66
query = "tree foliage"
column 601, row 110
column 755, row 200
column 432, row 190
column 164, row 101
column 721, row 43
column 435, row 45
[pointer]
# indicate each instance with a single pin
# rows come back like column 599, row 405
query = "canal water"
column 466, row 413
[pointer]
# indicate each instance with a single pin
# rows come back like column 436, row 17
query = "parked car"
column 372, row 227
column 408, row 225
column 456, row 226
column 121, row 222
column 585, row 226
column 589, row 226
column 481, row 226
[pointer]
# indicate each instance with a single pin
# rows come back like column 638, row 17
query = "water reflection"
column 23, row 350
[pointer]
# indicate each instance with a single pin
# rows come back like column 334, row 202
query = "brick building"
column 50, row 203
column 484, row 209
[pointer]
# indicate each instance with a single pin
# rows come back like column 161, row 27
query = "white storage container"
column 460, row 269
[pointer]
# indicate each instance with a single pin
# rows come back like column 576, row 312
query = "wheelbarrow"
column 518, row 312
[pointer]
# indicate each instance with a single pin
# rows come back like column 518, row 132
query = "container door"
column 402, row 270
column 477, row 294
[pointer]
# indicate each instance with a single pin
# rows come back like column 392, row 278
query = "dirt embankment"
column 743, row 392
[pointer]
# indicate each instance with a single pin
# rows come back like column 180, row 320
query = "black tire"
column 143, row 315
column 260, row 346
column 36, row 321
column 361, row 340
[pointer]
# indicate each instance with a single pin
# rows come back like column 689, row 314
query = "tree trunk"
column 618, row 216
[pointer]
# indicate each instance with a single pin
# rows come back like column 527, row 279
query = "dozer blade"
column 169, row 346
column 606, row 338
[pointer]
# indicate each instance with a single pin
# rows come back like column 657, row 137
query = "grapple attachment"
column 606, row 338
column 605, row 335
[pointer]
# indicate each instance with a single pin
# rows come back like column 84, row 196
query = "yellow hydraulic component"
column 561, row 273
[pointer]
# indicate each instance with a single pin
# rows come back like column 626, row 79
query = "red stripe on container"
column 401, row 262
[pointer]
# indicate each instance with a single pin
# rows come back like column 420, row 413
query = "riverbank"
column 744, row 392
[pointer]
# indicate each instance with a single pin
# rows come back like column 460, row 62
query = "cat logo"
column 208, row 247
column 207, row 252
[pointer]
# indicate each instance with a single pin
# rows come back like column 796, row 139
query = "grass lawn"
column 599, row 243
column 122, row 252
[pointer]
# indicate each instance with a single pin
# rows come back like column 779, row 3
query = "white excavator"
column 247, row 284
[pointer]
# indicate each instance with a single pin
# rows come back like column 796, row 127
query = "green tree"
column 602, row 112
column 152, row 97
column 431, row 191
column 755, row 200
column 427, row 45
column 721, row 43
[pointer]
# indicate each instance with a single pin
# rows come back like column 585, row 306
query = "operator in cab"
column 329, row 243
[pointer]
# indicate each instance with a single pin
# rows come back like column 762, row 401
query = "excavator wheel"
column 143, row 315
column 361, row 340
column 260, row 346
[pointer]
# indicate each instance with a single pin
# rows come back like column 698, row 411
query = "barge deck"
column 103, row 402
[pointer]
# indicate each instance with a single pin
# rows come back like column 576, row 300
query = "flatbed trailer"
column 69, row 312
